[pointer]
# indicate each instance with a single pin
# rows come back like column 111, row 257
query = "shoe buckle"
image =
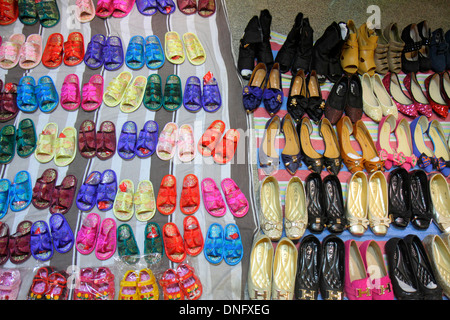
column 385, row 289
column 363, row 292
column 262, row 294
column 282, row 295
column 307, row 294
column 334, row 295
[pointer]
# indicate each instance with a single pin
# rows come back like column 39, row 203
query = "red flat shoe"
column 53, row 52
column 434, row 95
column 226, row 149
column 74, row 49
column 166, row 200
column 193, row 237
column 190, row 195
column 9, row 11
column 445, row 86
column 173, row 243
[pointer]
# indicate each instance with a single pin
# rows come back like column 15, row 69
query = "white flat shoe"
column 259, row 280
column 271, row 214
column 284, row 270
column 357, row 204
column 295, row 212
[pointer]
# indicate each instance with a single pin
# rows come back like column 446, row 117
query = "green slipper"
column 26, row 138
column 48, row 12
column 7, row 144
column 153, row 92
column 27, row 12
column 126, row 244
column 153, row 243
column 173, row 96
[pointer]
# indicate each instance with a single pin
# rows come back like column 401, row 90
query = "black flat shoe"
column 399, row 197
column 291, row 154
column 424, row 51
column 303, row 53
column 438, row 48
column 332, row 154
column 285, row 55
column 248, row 46
column 297, row 101
column 421, row 206
column 316, row 103
column 332, row 268
column 311, row 158
column 315, row 203
column 336, row 101
column 354, row 106
column 334, row 204
column 308, row 269
column 410, row 53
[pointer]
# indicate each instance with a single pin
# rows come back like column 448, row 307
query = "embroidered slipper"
column 61, row 232
column 166, row 6
column 122, row 8
column 192, row 98
column 134, row 95
column 46, row 95
column 211, row 98
column 189, row 282
column 27, row 12
column 116, row 89
column 106, row 140
column 147, row 7
column 8, row 107
column 194, row 49
column 134, row 57
column 225, row 150
column 87, row 195
column 40, row 285
column 173, row 243
column 74, row 49
column 127, row 247
column 85, row 10
column 63, row 195
column 232, row 247
column 167, row 141
column 4, row 243
column 186, row 143
column 190, row 195
column 41, row 241
column 106, row 240
column 206, row 8
column 166, row 200
column 127, row 140
column 70, row 93
column 26, row 97
column 214, row 241
column 11, row 281
column 236, row 200
column 113, row 53
column 212, row 198
column 173, row 93
column 31, row 52
column 170, row 285
column 148, row 288
column 87, row 235
column 57, row 286
column 9, row 12
column 48, row 13
column 147, row 140
column 153, row 243
column 144, row 201
column 66, row 147
column 104, row 8
column 129, row 286
column 123, row 207
column 153, row 93
column 87, row 139
column 7, row 144
column 104, row 286
column 5, row 192
column 193, row 237
column 19, row 243
column 26, row 138
column 10, row 51
column 187, row 6
column 53, row 51
column 94, row 56
column 107, row 190
column 85, row 288
column 45, row 148
column 211, row 138
column 43, row 189
column 92, row 93
column 174, row 48
column 154, row 54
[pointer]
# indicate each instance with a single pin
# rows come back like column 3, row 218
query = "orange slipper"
column 173, row 243
column 211, row 137
column 166, row 200
column 53, row 52
column 226, row 149
column 190, row 195
column 74, row 49
column 193, row 238
column 189, row 282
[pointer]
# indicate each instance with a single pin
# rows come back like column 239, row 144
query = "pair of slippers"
column 99, row 189
column 176, row 140
column 62, row 148
column 205, row 8
column 142, row 144
column 31, row 96
column 126, row 91
column 104, row 51
column 128, row 202
column 181, row 284
column 20, row 50
column 194, row 99
column 32, row 11
column 23, row 139
column 173, row 48
column 15, row 247
column 114, row 8
column 154, row 97
column 150, row 7
column 166, row 200
column 146, row 51
column 101, row 143
column 49, row 284
column 223, row 244
column 56, row 50
column 90, row 98
column 16, row 195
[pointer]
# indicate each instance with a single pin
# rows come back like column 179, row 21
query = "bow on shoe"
column 69, row 93
column 441, row 164
column 424, row 161
column 135, row 52
column 90, row 93
column 252, row 97
column 398, row 158
column 26, row 96
column 45, row 94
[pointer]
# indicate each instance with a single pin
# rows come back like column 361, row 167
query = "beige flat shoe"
column 295, row 212
column 271, row 215
column 384, row 99
column 357, row 204
column 284, row 270
column 371, row 106
column 378, row 204
column 440, row 197
column 259, row 280
column 439, row 255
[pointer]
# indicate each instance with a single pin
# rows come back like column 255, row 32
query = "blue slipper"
column 5, row 187
column 214, row 242
column 62, row 234
column 21, row 191
column 41, row 246
column 233, row 249
column 46, row 94
column 134, row 57
column 127, row 140
column 26, row 97
column 147, row 140
column 87, row 195
column 154, row 54
column 211, row 98
column 107, row 189
column 192, row 98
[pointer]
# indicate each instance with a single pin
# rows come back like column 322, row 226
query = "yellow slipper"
column 129, row 286
column 123, row 207
column 134, row 95
column 45, row 149
column 144, row 201
column 116, row 89
column 66, row 147
column 194, row 49
column 174, row 48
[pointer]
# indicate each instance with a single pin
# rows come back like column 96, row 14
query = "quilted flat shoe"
column 296, row 217
column 332, row 268
column 271, row 215
column 399, row 197
column 378, row 214
column 259, row 279
column 308, row 269
column 439, row 256
column 421, row 206
column 357, row 204
column 315, row 203
column 284, row 270
column 334, row 204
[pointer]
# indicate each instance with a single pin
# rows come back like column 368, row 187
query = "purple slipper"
column 62, row 234
column 166, row 6
column 211, row 98
column 93, row 57
column 127, row 140
column 107, row 189
column 192, row 98
column 147, row 7
column 87, row 195
column 147, row 140
column 113, row 53
column 41, row 246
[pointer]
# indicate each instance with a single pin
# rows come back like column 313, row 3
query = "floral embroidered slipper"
column 194, row 49
column 154, row 54
column 46, row 94
column 8, row 136
column 144, row 201
column 5, row 192
column 148, row 288
column 53, row 52
column 10, row 51
column 92, row 93
column 107, row 239
column 87, row 195
column 166, row 6
column 94, row 56
column 206, row 8
column 166, row 200
column 104, row 8
column 43, row 189
column 113, row 53
column 127, row 140
column 214, row 241
column 126, row 244
column 10, row 280
column 192, row 98
column 189, row 282
column 134, row 95
column 174, row 48
column 66, row 147
column 173, row 243
column 173, row 93
column 188, row 7
column 232, row 247
column 225, row 150
column 9, row 12
column 134, row 57
column 190, row 195
column 9, row 108
column 116, row 89
column 186, row 143
column 21, row 191
column 19, row 243
column 236, row 200
column 26, row 96
column 212, row 198
column 147, row 7
column 211, row 138
column 62, row 235
column 167, row 141
column 87, row 139
column 48, row 13
column 211, row 98
column 153, row 93
column 193, row 237
column 123, row 207
column 106, row 140
column 45, row 149
column 27, row 12
column 87, row 235
column 41, row 241
column 70, row 93
column 4, row 243
column 74, row 49
column 122, row 8
column 31, row 52
column 153, row 243
column 107, row 190
column 170, row 285
column 85, row 10
column 147, row 139
column 63, row 195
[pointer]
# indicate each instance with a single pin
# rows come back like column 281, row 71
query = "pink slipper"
column 10, row 51
column 212, row 198
column 9, row 284
column 31, row 52
column 122, row 8
column 87, row 236
column 104, row 8
column 236, row 200
column 70, row 93
column 92, row 93
column 107, row 240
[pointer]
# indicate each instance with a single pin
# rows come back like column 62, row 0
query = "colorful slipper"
column 31, row 52
column 87, row 235
column 39, row 286
column 46, row 94
column 154, row 55
column 153, row 93
column 129, row 286
column 66, row 147
column 43, row 189
column 53, row 52
column 127, row 140
column 147, row 140
column 87, row 195
column 48, row 12
column 211, row 98
column 7, row 143
column 74, row 49
column 113, row 53
column 92, row 93
column 146, row 7
column 148, row 288
column 11, row 281
column 122, row 8
column 236, row 200
column 85, row 288
column 45, row 148
column 27, row 12
column 212, row 198
column 167, row 141
column 123, row 207
column 214, row 241
column 166, row 200
column 173, row 243
column 153, row 243
column 104, row 8
column 85, row 10
column 193, row 237
column 224, row 151
column 41, row 241
column 211, row 138
column 173, row 93
column 87, row 139
column 57, row 286
column 70, row 93
column 174, row 48
column 94, row 56
column 107, row 190
column 190, row 195
column 9, row 12
column 194, row 49
column 106, row 140
column 126, row 244
column 189, row 282
column 192, row 98
column 4, row 243
column 144, row 201
column 232, row 247
column 166, row 6
column 106, row 240
column 5, row 192
column 62, row 234
column 134, row 95
column 206, row 8
column 134, row 57
column 63, row 195
column 19, row 243
column 170, row 285
column 187, row 6
column 116, row 89
column 186, row 143
column 9, row 108
column 10, row 51
column 104, row 284
column 26, row 97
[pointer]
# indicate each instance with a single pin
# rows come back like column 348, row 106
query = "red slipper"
column 63, row 195
column 53, row 52
column 87, row 139
column 189, row 282
column 187, row 6
column 74, row 49
column 43, row 189
column 4, row 243
column 9, row 12
column 190, row 195
column 166, row 200
column 225, row 150
column 211, row 137
column 193, row 237
column 206, row 8
column 19, row 243
column 106, row 140
column 173, row 243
